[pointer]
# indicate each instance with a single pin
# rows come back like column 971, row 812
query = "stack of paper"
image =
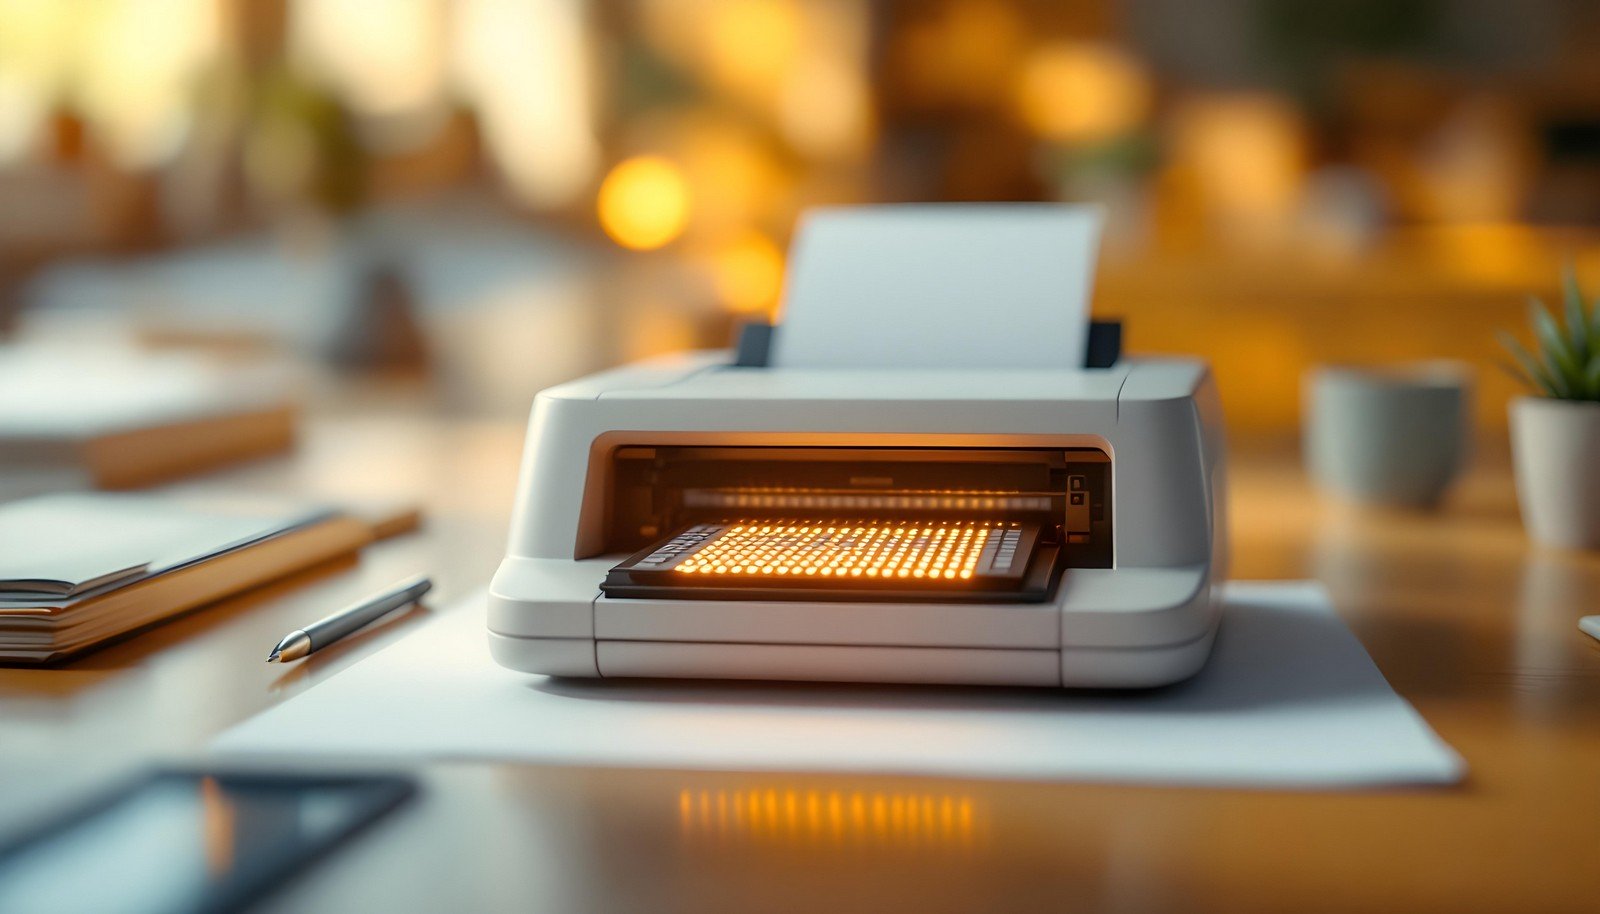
column 79, row 570
column 117, row 419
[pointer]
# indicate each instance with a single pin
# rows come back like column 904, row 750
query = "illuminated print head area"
column 946, row 550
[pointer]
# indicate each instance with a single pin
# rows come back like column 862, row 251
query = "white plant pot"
column 1556, row 447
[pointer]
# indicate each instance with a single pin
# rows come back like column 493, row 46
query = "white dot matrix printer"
column 934, row 470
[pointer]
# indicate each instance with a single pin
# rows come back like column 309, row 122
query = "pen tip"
column 272, row 657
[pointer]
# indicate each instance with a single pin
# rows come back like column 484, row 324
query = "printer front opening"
column 824, row 523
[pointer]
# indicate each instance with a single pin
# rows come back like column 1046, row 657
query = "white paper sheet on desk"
column 940, row 286
column 1289, row 699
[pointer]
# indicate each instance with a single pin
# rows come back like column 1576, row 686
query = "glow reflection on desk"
column 836, row 817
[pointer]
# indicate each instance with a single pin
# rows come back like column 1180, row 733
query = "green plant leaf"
column 1555, row 349
column 1533, row 374
column 1592, row 376
column 1577, row 320
column 1517, row 373
column 1594, row 328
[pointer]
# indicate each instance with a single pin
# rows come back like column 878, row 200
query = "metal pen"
column 323, row 632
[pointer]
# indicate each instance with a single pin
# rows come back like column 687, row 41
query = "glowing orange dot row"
column 947, row 551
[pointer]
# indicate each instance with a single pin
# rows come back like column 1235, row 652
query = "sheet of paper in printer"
column 940, row 286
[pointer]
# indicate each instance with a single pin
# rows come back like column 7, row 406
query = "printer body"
column 691, row 517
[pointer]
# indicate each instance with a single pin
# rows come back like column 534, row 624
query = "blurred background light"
column 748, row 272
column 136, row 70
column 748, row 46
column 1246, row 155
column 38, row 49
column 23, row 108
column 825, row 109
column 1414, row 167
column 526, row 66
column 1077, row 92
column 735, row 177
column 384, row 57
column 644, row 203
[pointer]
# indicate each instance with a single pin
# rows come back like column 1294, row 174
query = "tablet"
column 186, row 841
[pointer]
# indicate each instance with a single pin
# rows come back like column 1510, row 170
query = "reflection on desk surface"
column 836, row 818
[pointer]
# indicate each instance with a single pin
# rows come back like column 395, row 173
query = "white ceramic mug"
column 1391, row 435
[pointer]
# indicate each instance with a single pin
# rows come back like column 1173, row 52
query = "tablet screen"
column 181, row 841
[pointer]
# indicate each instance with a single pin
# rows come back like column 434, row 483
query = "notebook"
column 117, row 419
column 78, row 570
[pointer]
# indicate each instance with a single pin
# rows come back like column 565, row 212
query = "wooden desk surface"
column 1468, row 620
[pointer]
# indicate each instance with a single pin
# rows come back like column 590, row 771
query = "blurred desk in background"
column 1468, row 621
column 1264, row 319
column 499, row 309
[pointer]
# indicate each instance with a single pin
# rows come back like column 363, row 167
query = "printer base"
column 1107, row 628
column 1071, row 667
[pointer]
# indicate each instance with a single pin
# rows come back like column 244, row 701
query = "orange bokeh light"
column 644, row 203
column 1078, row 92
column 748, row 273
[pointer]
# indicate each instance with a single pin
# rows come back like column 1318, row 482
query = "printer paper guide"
column 940, row 286
column 1289, row 699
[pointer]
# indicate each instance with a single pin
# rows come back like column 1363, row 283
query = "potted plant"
column 1555, row 435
